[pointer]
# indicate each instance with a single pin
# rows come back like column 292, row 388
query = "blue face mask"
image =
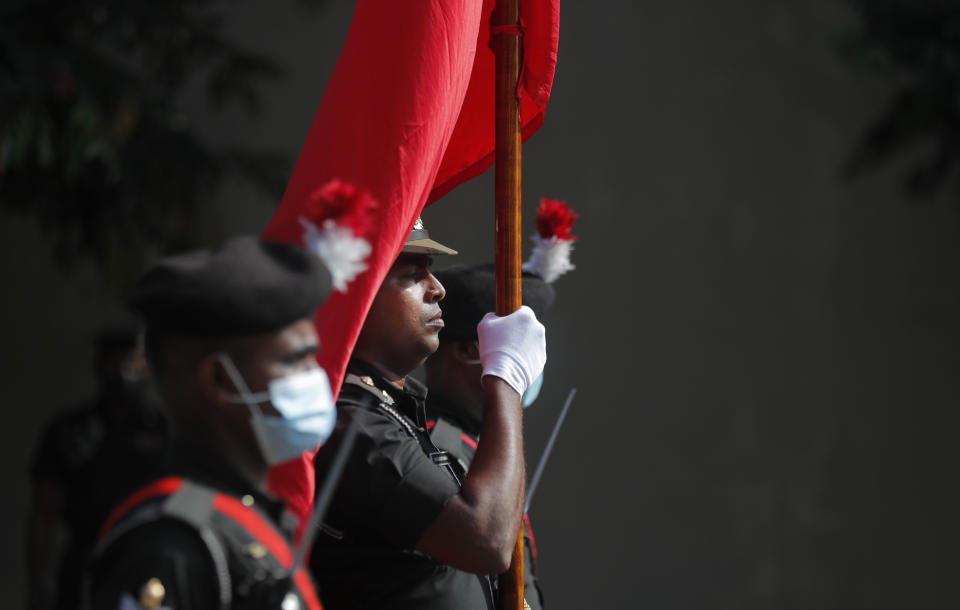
column 531, row 393
column 307, row 412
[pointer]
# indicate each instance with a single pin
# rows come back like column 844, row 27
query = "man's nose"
column 436, row 291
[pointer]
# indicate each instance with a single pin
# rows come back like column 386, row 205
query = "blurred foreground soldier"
column 455, row 404
column 87, row 460
column 406, row 529
column 231, row 342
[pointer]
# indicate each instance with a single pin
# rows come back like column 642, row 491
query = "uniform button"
column 152, row 594
column 290, row 602
column 247, row 500
column 257, row 550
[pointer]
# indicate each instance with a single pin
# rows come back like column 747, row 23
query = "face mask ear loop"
column 234, row 374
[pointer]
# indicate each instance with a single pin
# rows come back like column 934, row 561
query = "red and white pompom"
column 553, row 242
column 336, row 216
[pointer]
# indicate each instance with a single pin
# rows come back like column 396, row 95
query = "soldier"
column 231, row 343
column 406, row 527
column 454, row 413
column 455, row 403
column 88, row 459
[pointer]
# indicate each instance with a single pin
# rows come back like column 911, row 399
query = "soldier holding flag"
column 407, row 527
column 409, row 113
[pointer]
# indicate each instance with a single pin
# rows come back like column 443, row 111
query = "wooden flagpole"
column 507, row 47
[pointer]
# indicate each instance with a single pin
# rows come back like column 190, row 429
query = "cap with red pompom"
column 471, row 293
column 554, row 241
column 242, row 287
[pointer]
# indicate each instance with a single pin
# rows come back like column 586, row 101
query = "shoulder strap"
column 272, row 540
column 183, row 501
column 385, row 404
column 450, row 438
column 366, row 384
column 445, row 435
column 197, row 505
column 160, row 487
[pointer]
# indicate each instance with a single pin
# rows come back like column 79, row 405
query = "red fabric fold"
column 470, row 152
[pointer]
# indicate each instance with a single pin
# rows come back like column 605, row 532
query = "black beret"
column 243, row 287
column 472, row 293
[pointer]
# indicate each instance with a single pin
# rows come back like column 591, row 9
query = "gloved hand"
column 513, row 347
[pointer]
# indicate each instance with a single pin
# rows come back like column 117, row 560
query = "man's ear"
column 212, row 380
column 466, row 352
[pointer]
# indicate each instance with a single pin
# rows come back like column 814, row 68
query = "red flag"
column 387, row 116
column 471, row 150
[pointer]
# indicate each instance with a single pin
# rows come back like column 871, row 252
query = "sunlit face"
column 402, row 327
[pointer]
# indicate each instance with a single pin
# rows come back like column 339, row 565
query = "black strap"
column 445, row 434
column 439, row 456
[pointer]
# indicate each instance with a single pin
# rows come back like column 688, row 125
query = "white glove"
column 513, row 347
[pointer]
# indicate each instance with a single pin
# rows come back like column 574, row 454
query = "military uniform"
column 206, row 537
column 455, row 432
column 395, row 484
column 95, row 461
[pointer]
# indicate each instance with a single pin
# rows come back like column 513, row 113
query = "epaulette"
column 365, row 382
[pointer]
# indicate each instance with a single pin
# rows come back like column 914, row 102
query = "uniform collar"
column 208, row 468
column 410, row 399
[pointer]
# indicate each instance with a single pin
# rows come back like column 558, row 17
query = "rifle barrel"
column 546, row 451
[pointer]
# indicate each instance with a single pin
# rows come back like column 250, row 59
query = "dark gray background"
column 765, row 356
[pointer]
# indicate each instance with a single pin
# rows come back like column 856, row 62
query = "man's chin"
column 429, row 345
